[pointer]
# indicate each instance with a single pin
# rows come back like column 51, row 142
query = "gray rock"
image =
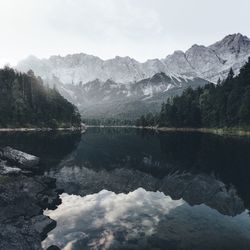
column 19, row 157
column 43, row 225
column 19, row 236
column 22, row 200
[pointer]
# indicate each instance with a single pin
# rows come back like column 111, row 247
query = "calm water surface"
column 134, row 189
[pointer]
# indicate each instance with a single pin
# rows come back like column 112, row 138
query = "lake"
column 138, row 189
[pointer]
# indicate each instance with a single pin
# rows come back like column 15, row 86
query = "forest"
column 26, row 102
column 222, row 105
column 108, row 122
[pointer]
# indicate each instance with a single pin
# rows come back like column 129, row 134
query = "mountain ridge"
column 209, row 62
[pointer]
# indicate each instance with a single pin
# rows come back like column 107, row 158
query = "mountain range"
column 123, row 87
column 107, row 99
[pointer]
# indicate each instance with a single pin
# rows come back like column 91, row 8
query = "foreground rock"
column 19, row 157
column 22, row 201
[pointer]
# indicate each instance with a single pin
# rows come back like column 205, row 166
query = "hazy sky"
column 138, row 28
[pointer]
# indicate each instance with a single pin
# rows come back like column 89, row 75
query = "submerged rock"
column 53, row 247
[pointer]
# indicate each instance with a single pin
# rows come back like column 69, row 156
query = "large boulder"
column 18, row 157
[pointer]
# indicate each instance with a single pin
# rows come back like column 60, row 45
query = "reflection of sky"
column 141, row 219
column 194, row 189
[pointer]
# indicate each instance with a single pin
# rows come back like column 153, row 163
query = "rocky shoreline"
column 39, row 129
column 23, row 197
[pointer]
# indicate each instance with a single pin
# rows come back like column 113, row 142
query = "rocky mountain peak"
column 196, row 47
column 234, row 43
column 123, row 58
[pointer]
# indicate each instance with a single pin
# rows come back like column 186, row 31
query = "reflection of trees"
column 119, row 148
column 227, row 158
column 194, row 189
column 105, row 150
column 51, row 147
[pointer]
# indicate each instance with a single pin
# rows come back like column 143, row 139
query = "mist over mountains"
column 97, row 99
column 125, row 88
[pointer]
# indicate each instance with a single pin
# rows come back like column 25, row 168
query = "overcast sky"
column 141, row 29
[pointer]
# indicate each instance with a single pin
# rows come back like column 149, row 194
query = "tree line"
column 108, row 122
column 226, row 104
column 26, row 102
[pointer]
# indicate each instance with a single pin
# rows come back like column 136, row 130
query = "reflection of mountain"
column 193, row 210
column 122, row 160
column 227, row 158
column 143, row 220
column 195, row 189
column 163, row 153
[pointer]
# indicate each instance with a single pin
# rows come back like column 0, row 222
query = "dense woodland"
column 109, row 122
column 26, row 102
column 226, row 104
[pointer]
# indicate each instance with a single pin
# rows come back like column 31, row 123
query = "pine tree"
column 222, row 105
column 24, row 101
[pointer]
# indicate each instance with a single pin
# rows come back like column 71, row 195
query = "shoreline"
column 111, row 126
column 38, row 129
column 217, row 131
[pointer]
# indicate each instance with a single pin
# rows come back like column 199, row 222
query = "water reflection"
column 200, row 168
column 171, row 190
column 195, row 189
column 51, row 147
column 143, row 220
